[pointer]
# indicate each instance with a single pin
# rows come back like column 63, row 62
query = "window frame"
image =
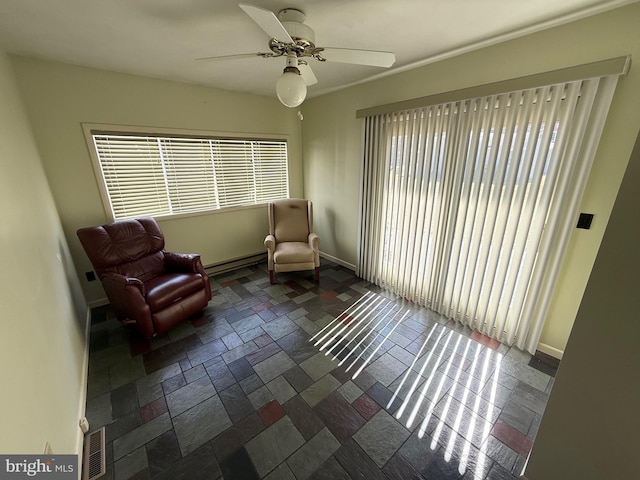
column 91, row 129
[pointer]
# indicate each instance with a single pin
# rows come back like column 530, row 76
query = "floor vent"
column 94, row 464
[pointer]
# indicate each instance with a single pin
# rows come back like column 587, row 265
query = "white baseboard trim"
column 235, row 263
column 549, row 350
column 100, row 302
column 82, row 402
column 348, row 265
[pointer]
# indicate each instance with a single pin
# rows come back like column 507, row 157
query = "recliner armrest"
column 270, row 242
column 127, row 296
column 187, row 262
column 182, row 262
column 115, row 281
column 314, row 241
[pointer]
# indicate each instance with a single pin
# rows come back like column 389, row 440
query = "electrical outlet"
column 584, row 221
column 91, row 276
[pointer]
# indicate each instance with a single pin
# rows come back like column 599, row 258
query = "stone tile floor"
column 298, row 380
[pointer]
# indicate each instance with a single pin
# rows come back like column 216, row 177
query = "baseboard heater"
column 227, row 266
column 94, row 463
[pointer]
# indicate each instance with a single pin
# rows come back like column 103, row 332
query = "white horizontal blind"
column 163, row 175
column 467, row 206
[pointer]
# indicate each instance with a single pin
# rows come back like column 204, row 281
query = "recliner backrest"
column 291, row 220
column 129, row 247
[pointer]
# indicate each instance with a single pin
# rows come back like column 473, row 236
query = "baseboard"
column 82, row 403
column 348, row 265
column 100, row 302
column 549, row 350
column 235, row 263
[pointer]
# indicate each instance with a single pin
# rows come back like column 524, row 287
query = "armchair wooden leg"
column 271, row 277
column 317, row 274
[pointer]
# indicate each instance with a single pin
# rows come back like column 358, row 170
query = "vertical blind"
column 153, row 175
column 467, row 206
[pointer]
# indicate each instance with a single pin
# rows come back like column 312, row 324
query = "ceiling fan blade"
column 268, row 21
column 238, row 56
column 307, row 74
column 359, row 57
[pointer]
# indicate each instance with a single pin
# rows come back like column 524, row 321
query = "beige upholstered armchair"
column 291, row 243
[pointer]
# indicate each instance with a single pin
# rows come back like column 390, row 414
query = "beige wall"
column 43, row 313
column 590, row 426
column 332, row 137
column 59, row 98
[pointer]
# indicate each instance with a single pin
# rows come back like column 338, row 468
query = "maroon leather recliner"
column 146, row 286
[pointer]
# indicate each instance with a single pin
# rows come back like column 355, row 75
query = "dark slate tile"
column 189, row 342
column 417, row 451
column 201, row 354
column 221, row 376
column 298, row 378
column 201, row 464
column 124, row 400
column 382, row 395
column 303, row 417
column 237, row 435
column 99, row 314
column 295, row 340
column 342, row 375
column 339, row 416
column 99, row 340
column 174, row 383
column 251, row 384
column 530, row 397
column 439, row 469
column 162, row 357
column 497, row 451
column 268, row 315
column 163, row 452
column 122, row 425
column 240, row 369
column 517, row 416
column 357, row 463
column 330, row 470
column 238, row 466
column 263, row 353
column 236, row 403
column 141, row 475
column 364, row 380
column 498, row 472
column 398, row 468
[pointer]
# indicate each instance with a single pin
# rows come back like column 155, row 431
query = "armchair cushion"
column 163, row 290
column 293, row 252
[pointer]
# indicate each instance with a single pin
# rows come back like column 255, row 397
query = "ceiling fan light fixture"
column 290, row 87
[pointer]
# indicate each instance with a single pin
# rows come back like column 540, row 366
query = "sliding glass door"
column 466, row 206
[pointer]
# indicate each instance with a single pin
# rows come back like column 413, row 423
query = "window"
column 157, row 175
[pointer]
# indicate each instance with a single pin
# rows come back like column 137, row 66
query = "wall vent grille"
column 94, row 461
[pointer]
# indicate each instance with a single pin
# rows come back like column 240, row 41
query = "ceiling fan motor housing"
column 303, row 36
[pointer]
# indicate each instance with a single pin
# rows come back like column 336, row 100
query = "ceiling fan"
column 291, row 38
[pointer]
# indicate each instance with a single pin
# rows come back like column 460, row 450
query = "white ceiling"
column 162, row 38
